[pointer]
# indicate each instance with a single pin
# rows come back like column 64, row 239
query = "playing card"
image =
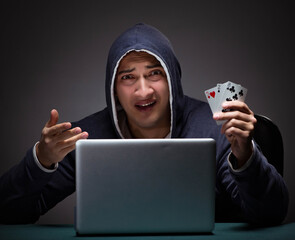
column 228, row 91
column 231, row 92
column 213, row 97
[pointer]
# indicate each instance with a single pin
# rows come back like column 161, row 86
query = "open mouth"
column 145, row 106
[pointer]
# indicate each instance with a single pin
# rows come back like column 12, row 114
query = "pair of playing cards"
column 228, row 91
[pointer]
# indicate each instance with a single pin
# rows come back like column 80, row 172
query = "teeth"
column 146, row 104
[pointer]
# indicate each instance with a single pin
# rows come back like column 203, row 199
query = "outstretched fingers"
column 57, row 140
column 70, row 141
column 70, row 144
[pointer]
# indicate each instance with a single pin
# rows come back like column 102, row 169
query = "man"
column 145, row 100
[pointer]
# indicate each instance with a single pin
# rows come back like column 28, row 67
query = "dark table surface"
column 237, row 231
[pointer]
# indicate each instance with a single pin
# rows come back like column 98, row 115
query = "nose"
column 143, row 88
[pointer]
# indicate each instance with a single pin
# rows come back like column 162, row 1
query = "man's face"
column 142, row 89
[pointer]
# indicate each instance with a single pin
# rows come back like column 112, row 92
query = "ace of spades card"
column 228, row 91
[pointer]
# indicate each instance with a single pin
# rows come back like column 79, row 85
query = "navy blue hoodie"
column 257, row 194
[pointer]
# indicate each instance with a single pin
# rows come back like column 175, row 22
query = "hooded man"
column 145, row 100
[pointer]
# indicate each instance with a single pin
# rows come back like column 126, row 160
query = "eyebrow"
column 154, row 66
column 130, row 70
column 126, row 71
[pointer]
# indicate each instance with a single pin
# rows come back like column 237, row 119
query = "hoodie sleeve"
column 259, row 190
column 256, row 194
column 28, row 192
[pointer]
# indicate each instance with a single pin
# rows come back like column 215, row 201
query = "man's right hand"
column 57, row 140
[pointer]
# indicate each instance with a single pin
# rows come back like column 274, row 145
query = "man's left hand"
column 238, row 129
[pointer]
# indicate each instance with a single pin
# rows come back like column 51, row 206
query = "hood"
column 142, row 37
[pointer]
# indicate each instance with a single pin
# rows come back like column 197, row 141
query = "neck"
column 150, row 133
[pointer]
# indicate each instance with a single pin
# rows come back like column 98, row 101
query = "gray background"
column 53, row 55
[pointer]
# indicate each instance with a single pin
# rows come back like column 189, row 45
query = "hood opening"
column 116, row 107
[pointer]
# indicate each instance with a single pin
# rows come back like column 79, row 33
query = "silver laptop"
column 146, row 186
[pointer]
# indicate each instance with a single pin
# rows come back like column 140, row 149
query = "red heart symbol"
column 212, row 94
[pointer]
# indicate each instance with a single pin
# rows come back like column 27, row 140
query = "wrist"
column 235, row 165
column 47, row 165
column 45, row 169
column 240, row 162
column 243, row 155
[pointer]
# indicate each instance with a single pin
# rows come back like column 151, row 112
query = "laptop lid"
column 139, row 186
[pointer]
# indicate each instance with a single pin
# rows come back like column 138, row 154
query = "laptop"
column 145, row 186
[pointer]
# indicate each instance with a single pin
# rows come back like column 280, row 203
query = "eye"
column 156, row 72
column 156, row 75
column 127, row 77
